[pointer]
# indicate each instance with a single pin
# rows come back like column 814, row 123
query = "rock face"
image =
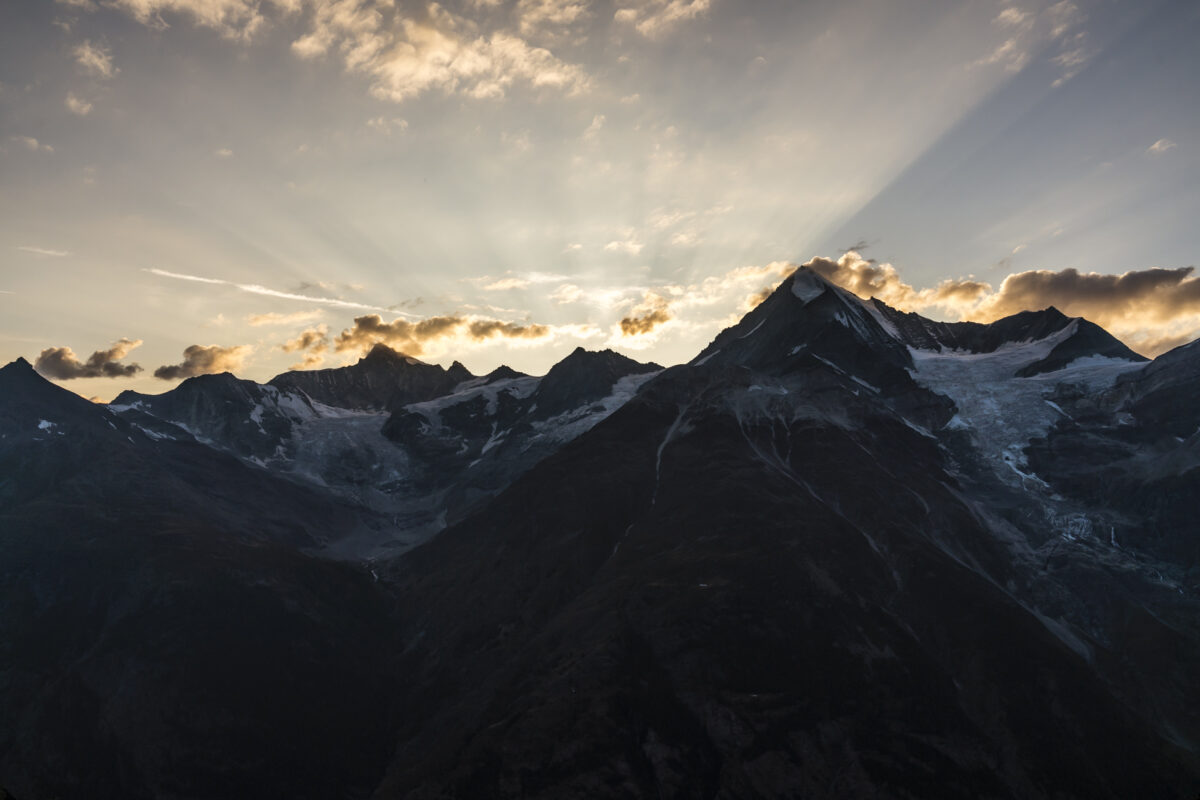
column 239, row 416
column 844, row 552
column 381, row 380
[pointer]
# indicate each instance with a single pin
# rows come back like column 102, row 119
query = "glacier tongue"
column 1002, row 412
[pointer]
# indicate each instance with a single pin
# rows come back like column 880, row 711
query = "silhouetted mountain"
column 381, row 380
column 844, row 552
column 164, row 632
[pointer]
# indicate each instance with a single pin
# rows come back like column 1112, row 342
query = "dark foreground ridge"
column 844, row 552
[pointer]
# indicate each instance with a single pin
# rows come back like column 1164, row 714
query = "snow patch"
column 1001, row 411
column 807, row 285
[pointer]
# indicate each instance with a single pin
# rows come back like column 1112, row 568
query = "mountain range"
column 845, row 551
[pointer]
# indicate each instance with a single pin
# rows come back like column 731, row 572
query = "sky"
column 189, row 186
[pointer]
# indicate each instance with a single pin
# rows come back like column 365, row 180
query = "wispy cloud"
column 77, row 106
column 96, row 59
column 30, row 143
column 1160, row 147
column 42, row 251
column 295, row 318
column 654, row 18
column 253, row 288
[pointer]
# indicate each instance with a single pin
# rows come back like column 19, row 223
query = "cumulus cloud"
column 62, row 364
column 654, row 18
column 412, row 338
column 313, row 343
column 653, row 312
column 201, row 359
column 96, row 59
column 417, row 338
column 1152, row 309
column 869, row 279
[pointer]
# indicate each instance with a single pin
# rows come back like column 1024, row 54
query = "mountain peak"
column 380, row 353
column 582, row 376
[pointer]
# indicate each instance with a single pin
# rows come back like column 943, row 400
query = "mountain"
column 165, row 631
column 381, row 380
column 843, row 552
column 468, row 445
column 427, row 462
column 239, row 416
column 775, row 582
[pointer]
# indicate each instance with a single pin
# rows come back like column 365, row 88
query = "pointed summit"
column 584, row 376
column 808, row 317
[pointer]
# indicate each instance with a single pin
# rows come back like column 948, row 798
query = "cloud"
column 96, row 59
column 273, row 318
column 646, row 316
column 1160, row 147
column 869, row 279
column 406, row 56
column 1056, row 30
column 387, row 125
column 1152, row 309
column 412, row 338
column 628, row 247
column 78, row 106
column 567, row 293
column 233, row 19
column 654, row 18
column 62, row 364
column 201, row 359
column 593, row 130
column 537, row 16
column 223, row 152
column 504, row 284
column 42, row 251
column 313, row 343
column 253, row 288
column 30, row 143
column 514, row 280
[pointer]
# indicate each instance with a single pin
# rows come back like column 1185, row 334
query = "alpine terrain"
column 845, row 551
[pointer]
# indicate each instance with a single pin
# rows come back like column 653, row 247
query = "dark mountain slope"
column 161, row 631
column 731, row 598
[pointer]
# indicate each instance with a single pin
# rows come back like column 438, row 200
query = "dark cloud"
column 1154, row 294
column 201, row 359
column 313, row 343
column 62, row 364
column 653, row 311
column 410, row 337
column 1153, row 309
